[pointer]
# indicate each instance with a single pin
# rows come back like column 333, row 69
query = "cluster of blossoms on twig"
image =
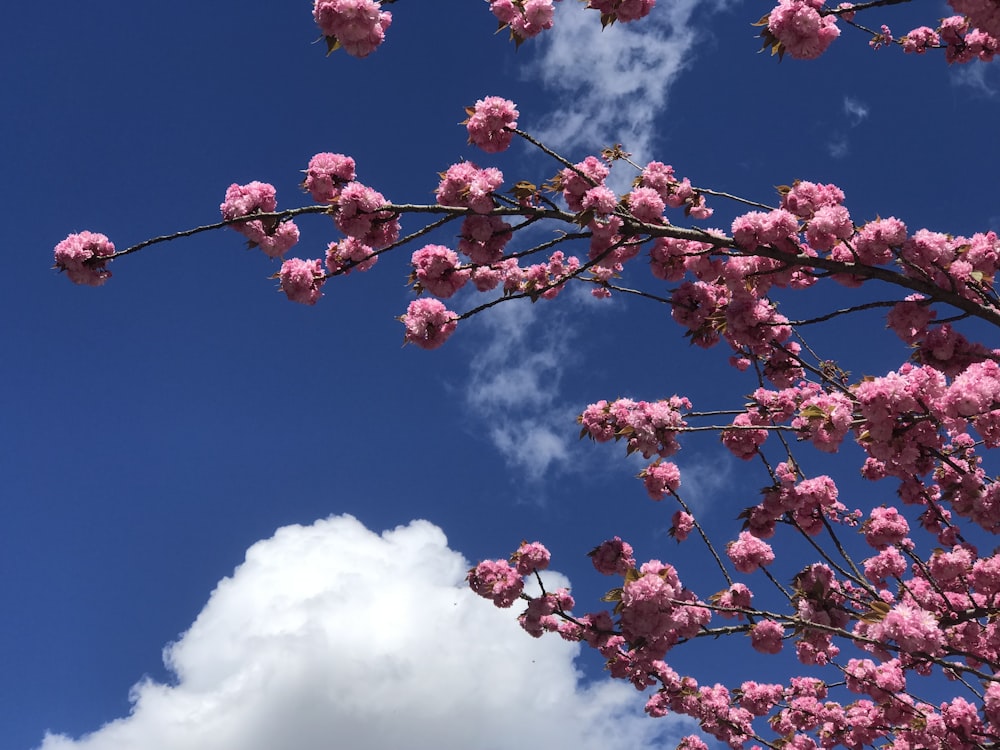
column 802, row 28
column 920, row 425
column 903, row 610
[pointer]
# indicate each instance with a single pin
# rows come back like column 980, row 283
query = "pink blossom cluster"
column 613, row 557
column 674, row 193
column 356, row 25
column 503, row 582
column 622, row 10
column 483, row 239
column 982, row 14
column 490, row 124
column 360, row 214
column 806, row 503
column 301, row 280
column 524, row 18
column 465, row 184
column 437, row 270
column 350, row 254
column 660, row 478
column 326, row 174
column 801, row 29
column 749, row 553
column 428, row 323
column 965, row 39
column 671, row 259
column 578, row 182
column 649, row 428
column 546, row 280
column 497, row 580
column 272, row 235
column 656, row 607
column 681, row 525
column 84, row 257
column 924, row 425
column 750, row 323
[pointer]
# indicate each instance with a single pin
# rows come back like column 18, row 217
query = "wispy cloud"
column 838, row 147
column 333, row 636
column 513, row 388
column 611, row 85
column 856, row 112
column 976, row 76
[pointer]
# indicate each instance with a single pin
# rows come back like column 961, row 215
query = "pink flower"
column 490, row 123
column 909, row 318
column 920, row 40
column 889, row 563
column 531, row 557
column 496, row 580
column 758, row 698
column 738, row 596
column 357, row 25
column 983, row 14
column 828, row 225
column 326, row 174
column 802, row 31
column 915, row 630
column 350, row 254
column 601, row 200
column 766, row 636
column 277, row 241
column 243, row 200
column 80, row 256
column 646, row 205
column 273, row 236
column 661, row 478
column 749, row 553
column 525, row 18
column 623, row 10
column 483, row 238
column 301, row 280
column 681, row 525
column 647, row 602
column 588, row 174
column 743, row 443
column 777, row 228
column 358, row 216
column 428, row 323
column 436, row 269
column 884, row 527
column 464, row 184
column 805, row 198
column 613, row 557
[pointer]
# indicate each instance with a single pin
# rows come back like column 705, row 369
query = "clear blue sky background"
column 153, row 430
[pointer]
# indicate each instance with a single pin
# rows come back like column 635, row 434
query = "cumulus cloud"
column 333, row 636
column 612, row 84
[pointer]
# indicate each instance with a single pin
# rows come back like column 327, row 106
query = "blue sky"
column 159, row 431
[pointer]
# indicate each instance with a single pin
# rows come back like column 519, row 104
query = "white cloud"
column 975, row 76
column 855, row 109
column 856, row 112
column 513, row 388
column 332, row 636
column 838, row 147
column 611, row 84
